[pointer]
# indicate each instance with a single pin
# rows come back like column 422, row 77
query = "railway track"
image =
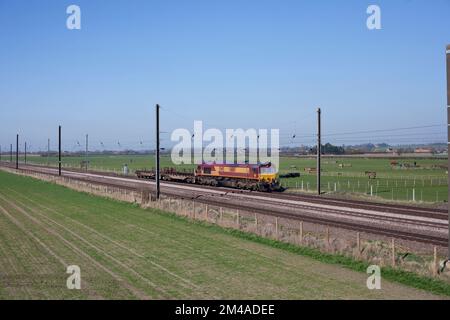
column 382, row 207
column 402, row 222
column 357, row 204
column 401, row 209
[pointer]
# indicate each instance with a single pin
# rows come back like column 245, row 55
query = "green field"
column 424, row 182
column 428, row 178
column 125, row 252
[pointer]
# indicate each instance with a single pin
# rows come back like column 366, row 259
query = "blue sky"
column 249, row 64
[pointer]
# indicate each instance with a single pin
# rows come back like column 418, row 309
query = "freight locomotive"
column 257, row 177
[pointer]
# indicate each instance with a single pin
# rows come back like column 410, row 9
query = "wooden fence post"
column 238, row 222
column 301, row 232
column 358, row 243
column 328, row 237
column 256, row 222
column 184, row 208
column 276, row 227
column 435, row 261
column 393, row 252
column 220, row 214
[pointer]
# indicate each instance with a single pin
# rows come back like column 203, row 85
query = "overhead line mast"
column 59, row 150
column 157, row 173
column 319, row 151
column 87, row 152
column 448, row 130
column 17, row 152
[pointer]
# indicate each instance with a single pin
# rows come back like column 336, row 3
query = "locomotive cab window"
column 268, row 170
column 207, row 170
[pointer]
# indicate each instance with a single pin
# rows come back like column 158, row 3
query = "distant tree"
column 328, row 148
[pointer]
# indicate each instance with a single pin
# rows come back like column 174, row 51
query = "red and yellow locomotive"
column 258, row 177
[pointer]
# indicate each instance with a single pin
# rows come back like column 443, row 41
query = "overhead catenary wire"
column 382, row 130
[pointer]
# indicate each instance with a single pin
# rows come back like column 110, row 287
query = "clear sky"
column 230, row 63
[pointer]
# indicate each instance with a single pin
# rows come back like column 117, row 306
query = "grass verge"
column 388, row 273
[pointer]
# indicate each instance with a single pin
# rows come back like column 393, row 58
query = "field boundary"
column 240, row 224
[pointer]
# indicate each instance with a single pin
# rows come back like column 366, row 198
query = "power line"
column 383, row 130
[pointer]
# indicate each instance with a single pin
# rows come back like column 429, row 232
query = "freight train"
column 256, row 177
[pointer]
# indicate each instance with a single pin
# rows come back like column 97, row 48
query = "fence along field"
column 127, row 252
column 409, row 180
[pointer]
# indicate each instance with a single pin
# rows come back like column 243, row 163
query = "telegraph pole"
column 17, row 152
column 10, row 153
column 59, row 151
column 157, row 152
column 25, row 153
column 319, row 151
column 448, row 145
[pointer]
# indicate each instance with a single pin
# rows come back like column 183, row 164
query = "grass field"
column 130, row 253
column 427, row 179
column 425, row 182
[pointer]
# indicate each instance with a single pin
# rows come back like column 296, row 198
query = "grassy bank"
column 128, row 252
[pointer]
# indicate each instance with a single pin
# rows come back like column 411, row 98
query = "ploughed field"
column 405, row 180
column 127, row 252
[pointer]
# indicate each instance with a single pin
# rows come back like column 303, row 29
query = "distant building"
column 423, row 150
